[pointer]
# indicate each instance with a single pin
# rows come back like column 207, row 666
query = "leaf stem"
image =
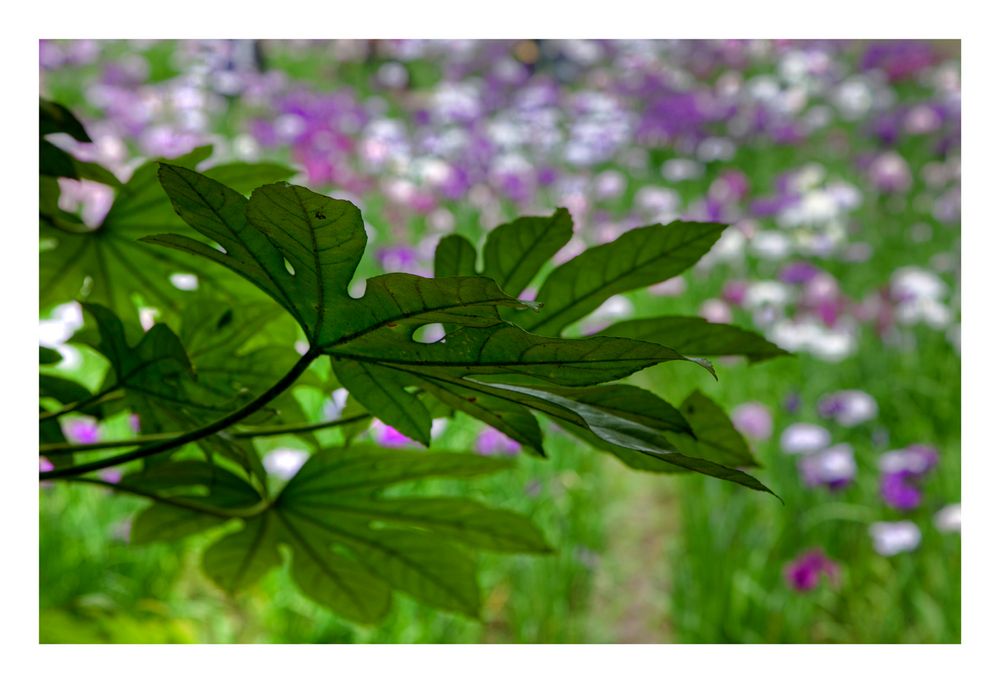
column 208, row 430
column 276, row 430
column 186, row 503
column 100, row 397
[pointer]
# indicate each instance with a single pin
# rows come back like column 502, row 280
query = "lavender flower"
column 848, row 408
column 494, row 442
column 833, row 467
column 753, row 420
column 803, row 574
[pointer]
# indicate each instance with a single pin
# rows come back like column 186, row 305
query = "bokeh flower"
column 753, row 420
column 804, row 573
column 494, row 442
column 832, row 467
column 893, row 538
column 803, row 437
column 848, row 408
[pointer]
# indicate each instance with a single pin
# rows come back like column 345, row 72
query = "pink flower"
column 753, row 420
column 389, row 437
column 494, row 442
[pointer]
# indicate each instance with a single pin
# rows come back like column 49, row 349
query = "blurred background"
column 837, row 163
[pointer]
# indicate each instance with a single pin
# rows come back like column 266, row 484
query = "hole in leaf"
column 289, row 267
column 430, row 333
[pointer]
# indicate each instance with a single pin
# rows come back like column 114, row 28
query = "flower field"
column 836, row 165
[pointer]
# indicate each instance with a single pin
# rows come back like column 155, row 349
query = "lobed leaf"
column 697, row 337
column 638, row 258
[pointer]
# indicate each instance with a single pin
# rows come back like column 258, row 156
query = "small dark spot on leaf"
column 320, row 216
column 470, row 399
column 391, row 324
column 225, row 319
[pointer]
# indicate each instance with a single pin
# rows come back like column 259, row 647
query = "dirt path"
column 632, row 586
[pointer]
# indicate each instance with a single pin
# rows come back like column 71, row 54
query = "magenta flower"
column 389, row 437
column 82, row 430
column 803, row 574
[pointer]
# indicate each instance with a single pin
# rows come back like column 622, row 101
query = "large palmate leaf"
column 639, row 258
column 351, row 545
column 697, row 337
column 211, row 493
column 302, row 248
column 179, row 383
column 108, row 264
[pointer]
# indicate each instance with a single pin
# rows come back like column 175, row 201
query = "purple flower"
column 803, row 573
column 753, row 420
column 899, row 59
column 494, row 442
column 833, row 467
column 899, row 491
column 797, row 273
column 397, row 259
column 848, row 408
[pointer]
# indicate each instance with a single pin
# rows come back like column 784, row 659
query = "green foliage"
column 220, row 371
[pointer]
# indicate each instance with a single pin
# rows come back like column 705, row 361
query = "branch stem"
column 208, row 430
column 276, row 430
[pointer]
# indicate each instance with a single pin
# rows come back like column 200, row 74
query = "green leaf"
column 327, row 516
column 178, row 483
column 382, row 392
column 454, row 256
column 596, row 425
column 697, row 337
column 716, row 438
column 237, row 561
column 516, row 251
column 55, row 118
column 172, row 391
column 245, row 176
column 64, row 390
column 463, row 521
column 47, row 356
column 110, row 260
column 299, row 247
column 638, row 258
column 55, row 162
column 331, row 579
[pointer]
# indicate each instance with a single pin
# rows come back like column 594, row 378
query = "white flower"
column 767, row 293
column 803, row 437
column 949, row 519
column 892, row 538
column 770, row 245
column 284, row 462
